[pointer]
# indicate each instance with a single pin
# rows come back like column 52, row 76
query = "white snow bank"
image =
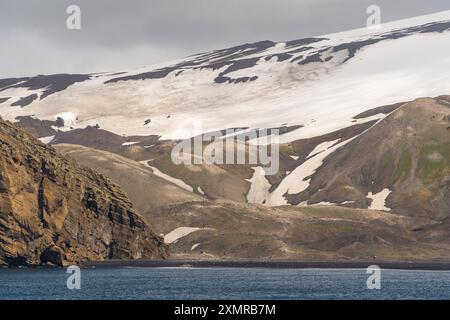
column 379, row 200
column 259, row 188
column 69, row 118
column 322, row 147
column 325, row 203
column 296, row 181
column 46, row 140
column 166, row 177
column 179, row 233
column 130, row 143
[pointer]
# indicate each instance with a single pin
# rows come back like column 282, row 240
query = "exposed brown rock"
column 36, row 127
column 53, row 211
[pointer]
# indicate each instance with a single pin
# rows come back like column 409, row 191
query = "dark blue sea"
column 222, row 283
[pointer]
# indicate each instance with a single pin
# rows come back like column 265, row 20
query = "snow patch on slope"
column 200, row 190
column 259, row 188
column 125, row 144
column 297, row 181
column 179, row 233
column 166, row 177
column 379, row 200
column 68, row 118
column 46, row 140
column 322, row 147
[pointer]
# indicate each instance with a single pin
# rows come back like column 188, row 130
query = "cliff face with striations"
column 53, row 211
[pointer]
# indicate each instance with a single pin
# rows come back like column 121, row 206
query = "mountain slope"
column 230, row 230
column 319, row 83
column 406, row 155
column 52, row 211
column 147, row 191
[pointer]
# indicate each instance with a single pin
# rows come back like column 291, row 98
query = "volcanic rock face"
column 53, row 211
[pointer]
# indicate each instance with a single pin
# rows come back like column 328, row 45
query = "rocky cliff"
column 55, row 212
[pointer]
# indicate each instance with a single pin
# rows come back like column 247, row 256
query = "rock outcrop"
column 55, row 212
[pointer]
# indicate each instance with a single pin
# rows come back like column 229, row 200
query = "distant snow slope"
column 320, row 83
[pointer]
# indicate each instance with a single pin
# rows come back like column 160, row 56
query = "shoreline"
column 280, row 264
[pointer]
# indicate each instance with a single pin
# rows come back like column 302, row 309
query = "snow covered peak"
column 317, row 83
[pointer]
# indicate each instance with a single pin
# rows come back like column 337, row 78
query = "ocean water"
column 222, row 283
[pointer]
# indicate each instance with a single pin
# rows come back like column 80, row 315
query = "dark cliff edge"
column 56, row 212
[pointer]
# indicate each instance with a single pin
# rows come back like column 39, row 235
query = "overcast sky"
column 124, row 34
